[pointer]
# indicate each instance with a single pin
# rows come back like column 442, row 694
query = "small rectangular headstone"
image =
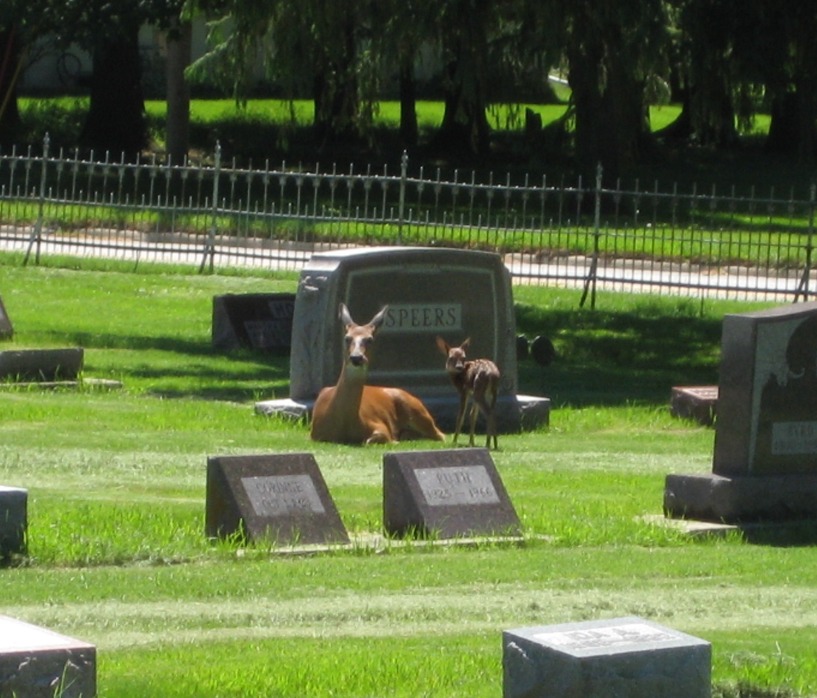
column 261, row 321
column 448, row 493
column 6, row 330
column 628, row 656
column 38, row 663
column 698, row 403
column 13, row 521
column 280, row 498
column 41, row 364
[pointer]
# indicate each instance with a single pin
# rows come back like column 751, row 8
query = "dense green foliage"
column 116, row 503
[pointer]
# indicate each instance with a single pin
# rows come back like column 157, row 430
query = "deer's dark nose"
column 357, row 359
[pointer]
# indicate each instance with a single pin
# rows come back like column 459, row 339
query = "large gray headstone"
column 13, row 521
column 430, row 292
column 629, row 657
column 281, row 498
column 6, row 330
column 261, row 321
column 765, row 456
column 39, row 663
column 448, row 493
column 767, row 393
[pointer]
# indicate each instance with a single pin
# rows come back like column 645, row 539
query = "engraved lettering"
column 465, row 485
column 794, row 438
column 279, row 495
column 598, row 638
column 423, row 317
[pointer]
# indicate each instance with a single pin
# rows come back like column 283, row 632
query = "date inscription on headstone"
column 448, row 493
column 279, row 495
column 470, row 484
column 281, row 498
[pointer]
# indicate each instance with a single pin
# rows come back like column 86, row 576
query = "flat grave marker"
column 448, row 493
column 38, row 663
column 627, row 656
column 764, row 464
column 281, row 498
column 261, row 321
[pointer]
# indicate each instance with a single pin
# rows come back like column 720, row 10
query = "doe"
column 477, row 379
column 351, row 412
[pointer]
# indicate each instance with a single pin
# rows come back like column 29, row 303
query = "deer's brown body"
column 475, row 379
column 352, row 412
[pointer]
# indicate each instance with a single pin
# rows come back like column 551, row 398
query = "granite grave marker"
column 38, row 663
column 448, row 493
column 13, row 521
column 453, row 293
column 628, row 656
column 41, row 364
column 261, row 321
column 430, row 292
column 6, row 330
column 281, row 498
column 765, row 455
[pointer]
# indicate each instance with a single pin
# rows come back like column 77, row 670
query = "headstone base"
column 741, row 499
column 597, row 659
column 697, row 403
column 39, row 663
column 513, row 412
column 13, row 521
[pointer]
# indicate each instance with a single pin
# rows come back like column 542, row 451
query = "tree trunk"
column 178, row 92
column 337, row 100
column 116, row 120
column 612, row 123
column 10, row 125
column 464, row 127
column 408, row 105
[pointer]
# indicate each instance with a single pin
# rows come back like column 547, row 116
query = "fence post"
column 36, row 233
column 402, row 202
column 590, row 281
column 210, row 245
column 802, row 287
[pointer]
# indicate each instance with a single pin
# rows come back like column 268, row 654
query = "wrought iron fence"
column 581, row 234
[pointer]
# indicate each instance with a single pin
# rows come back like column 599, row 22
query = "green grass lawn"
column 116, row 482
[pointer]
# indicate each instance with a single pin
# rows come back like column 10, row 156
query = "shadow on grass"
column 614, row 358
column 193, row 369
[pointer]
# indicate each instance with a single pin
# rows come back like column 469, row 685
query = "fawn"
column 352, row 412
column 477, row 379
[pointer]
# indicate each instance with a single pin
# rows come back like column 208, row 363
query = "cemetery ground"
column 116, row 482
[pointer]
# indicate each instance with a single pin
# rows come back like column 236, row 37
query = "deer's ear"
column 345, row 317
column 378, row 319
column 442, row 345
column 465, row 344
